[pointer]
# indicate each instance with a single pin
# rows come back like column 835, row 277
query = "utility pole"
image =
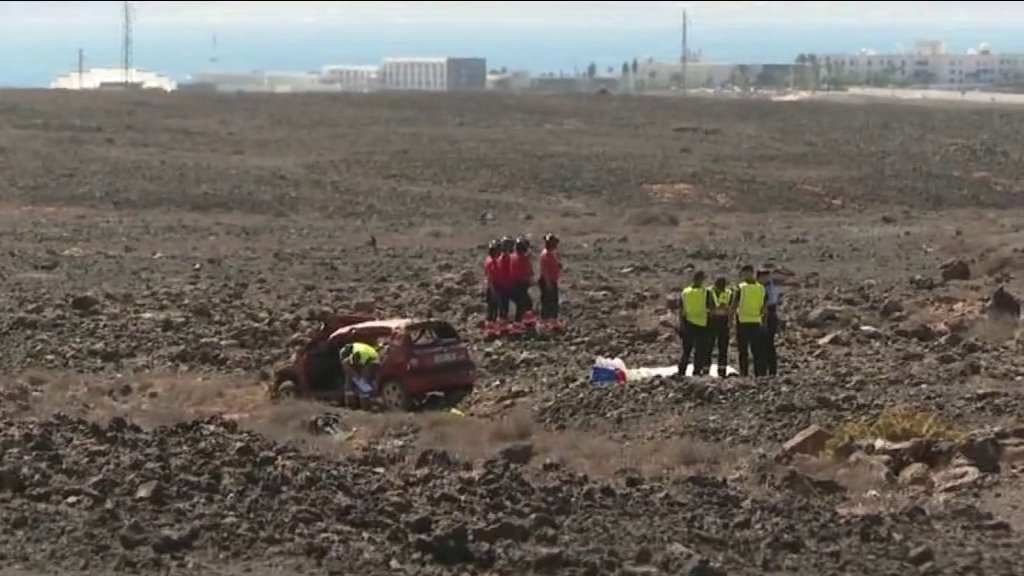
column 213, row 50
column 81, row 68
column 685, row 55
column 126, row 54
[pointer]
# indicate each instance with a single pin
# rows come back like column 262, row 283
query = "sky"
column 39, row 40
column 29, row 17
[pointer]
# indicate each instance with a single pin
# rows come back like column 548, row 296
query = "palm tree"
column 812, row 59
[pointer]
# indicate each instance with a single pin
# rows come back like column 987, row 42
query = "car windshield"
column 432, row 334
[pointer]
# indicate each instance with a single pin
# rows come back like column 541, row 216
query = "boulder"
column 916, row 474
column 956, row 478
column 955, row 269
column 1003, row 306
column 810, row 441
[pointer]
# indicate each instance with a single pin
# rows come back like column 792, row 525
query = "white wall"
column 352, row 78
column 941, row 95
column 93, row 78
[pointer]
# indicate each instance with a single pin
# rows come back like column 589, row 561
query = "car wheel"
column 394, row 397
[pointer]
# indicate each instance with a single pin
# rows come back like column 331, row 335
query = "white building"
column 96, row 78
column 512, row 81
column 352, row 78
column 929, row 63
column 281, row 82
column 434, row 74
column 657, row 75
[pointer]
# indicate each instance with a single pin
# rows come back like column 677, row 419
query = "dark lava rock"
column 1003, row 305
column 147, row 499
column 955, row 269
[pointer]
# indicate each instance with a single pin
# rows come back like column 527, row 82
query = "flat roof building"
column 440, row 74
column 98, row 78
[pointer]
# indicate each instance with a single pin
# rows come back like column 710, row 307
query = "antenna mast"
column 126, row 48
column 685, row 55
column 81, row 68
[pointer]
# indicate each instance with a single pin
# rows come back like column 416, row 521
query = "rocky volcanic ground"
column 162, row 251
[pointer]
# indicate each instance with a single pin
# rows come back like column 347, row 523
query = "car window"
column 433, row 335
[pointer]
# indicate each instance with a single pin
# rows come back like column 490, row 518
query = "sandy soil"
column 162, row 250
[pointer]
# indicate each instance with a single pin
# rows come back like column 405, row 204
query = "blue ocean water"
column 35, row 60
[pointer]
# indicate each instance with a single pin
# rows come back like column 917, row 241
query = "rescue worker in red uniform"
column 503, row 281
column 492, row 291
column 522, row 279
column 550, row 273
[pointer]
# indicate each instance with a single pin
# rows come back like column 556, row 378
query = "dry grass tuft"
column 514, row 427
column 897, row 424
column 1001, row 261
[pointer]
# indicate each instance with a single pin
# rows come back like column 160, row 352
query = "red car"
column 418, row 359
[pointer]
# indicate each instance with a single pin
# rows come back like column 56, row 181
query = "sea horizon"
column 186, row 52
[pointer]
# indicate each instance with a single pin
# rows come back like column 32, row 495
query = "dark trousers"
column 548, row 299
column 718, row 335
column 493, row 303
column 522, row 300
column 771, row 329
column 504, row 297
column 750, row 340
column 695, row 343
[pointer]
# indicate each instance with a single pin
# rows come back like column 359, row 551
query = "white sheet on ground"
column 644, row 373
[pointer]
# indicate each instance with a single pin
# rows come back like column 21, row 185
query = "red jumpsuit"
column 550, row 273
column 522, row 277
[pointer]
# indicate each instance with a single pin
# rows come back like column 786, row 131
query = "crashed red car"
column 419, row 358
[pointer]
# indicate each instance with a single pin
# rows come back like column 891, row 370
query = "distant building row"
column 929, row 63
column 422, row 74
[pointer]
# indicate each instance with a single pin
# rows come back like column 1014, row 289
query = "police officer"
column 719, row 322
column 693, row 324
column 771, row 321
column 749, row 309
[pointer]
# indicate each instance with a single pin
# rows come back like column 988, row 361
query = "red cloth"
column 550, row 267
column 503, row 271
column 522, row 268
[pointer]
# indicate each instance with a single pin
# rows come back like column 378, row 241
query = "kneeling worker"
column 360, row 363
column 693, row 324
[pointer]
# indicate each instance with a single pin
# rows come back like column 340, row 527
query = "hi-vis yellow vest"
column 362, row 353
column 751, row 302
column 723, row 298
column 695, row 305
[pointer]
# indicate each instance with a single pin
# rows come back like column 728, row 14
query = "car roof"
column 384, row 325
